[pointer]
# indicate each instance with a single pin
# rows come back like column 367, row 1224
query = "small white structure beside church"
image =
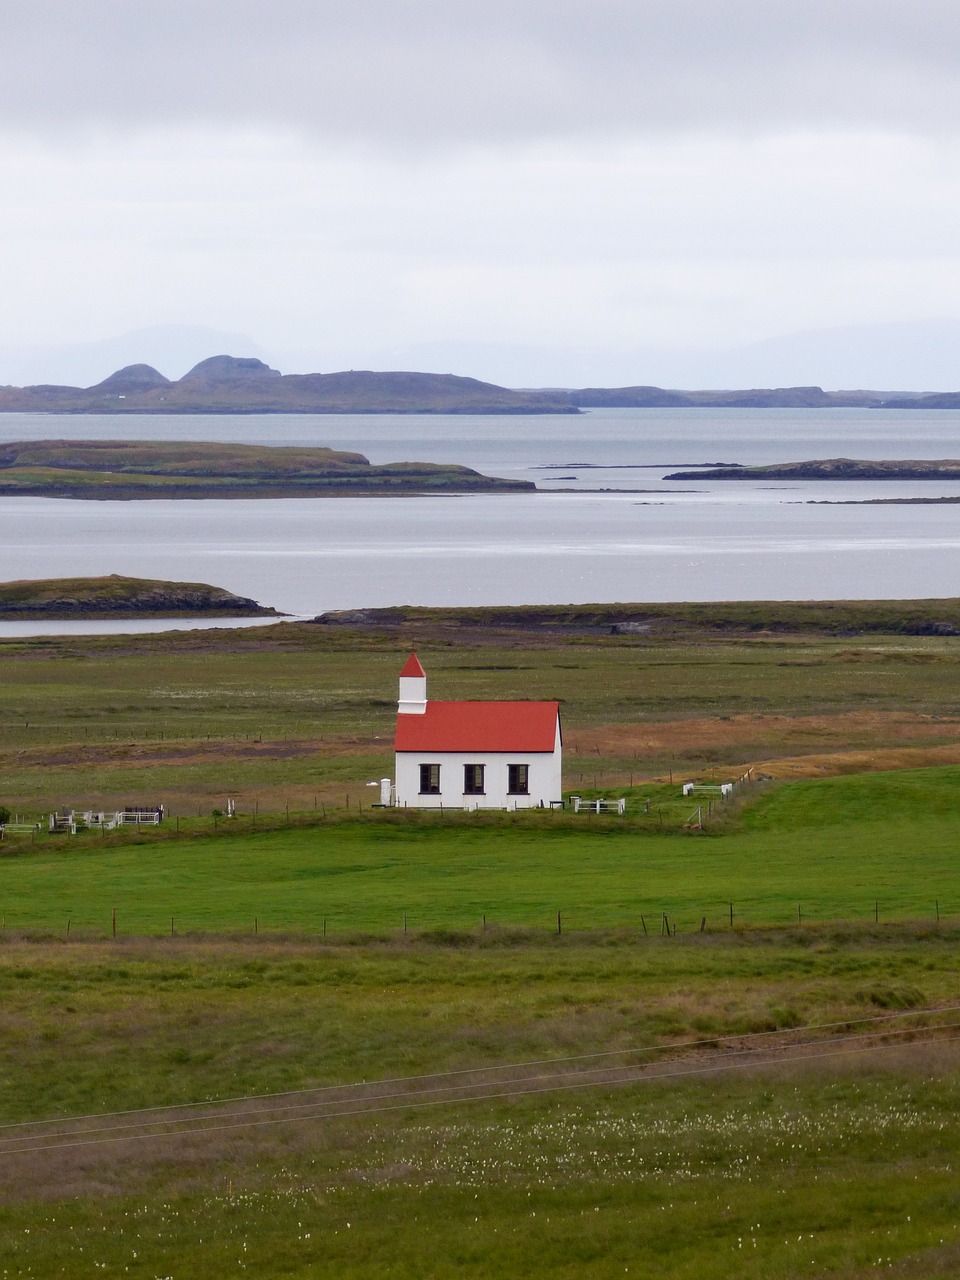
column 474, row 755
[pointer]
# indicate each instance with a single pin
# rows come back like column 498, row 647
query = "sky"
column 536, row 191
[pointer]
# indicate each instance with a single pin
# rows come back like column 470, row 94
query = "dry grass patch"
column 756, row 733
column 879, row 760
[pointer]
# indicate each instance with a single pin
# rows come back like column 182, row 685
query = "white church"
column 474, row 755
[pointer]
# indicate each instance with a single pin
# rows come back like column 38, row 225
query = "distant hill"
column 230, row 384
column 226, row 384
column 756, row 398
column 933, row 400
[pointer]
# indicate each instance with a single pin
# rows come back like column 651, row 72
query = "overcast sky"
column 347, row 180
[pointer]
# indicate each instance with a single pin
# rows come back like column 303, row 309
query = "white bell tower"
column 413, row 688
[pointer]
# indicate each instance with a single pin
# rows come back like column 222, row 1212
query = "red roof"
column 413, row 667
column 480, row 726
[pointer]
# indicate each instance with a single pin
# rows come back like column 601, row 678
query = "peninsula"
column 229, row 384
column 118, row 597
column 832, row 469
column 130, row 469
column 226, row 384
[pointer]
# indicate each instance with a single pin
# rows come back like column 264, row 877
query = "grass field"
column 822, row 1165
column 849, row 848
column 292, row 712
column 800, row 1138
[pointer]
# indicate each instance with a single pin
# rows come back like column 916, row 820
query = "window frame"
column 428, row 787
column 521, row 790
column 474, row 785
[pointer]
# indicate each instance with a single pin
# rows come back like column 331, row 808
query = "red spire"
column 413, row 667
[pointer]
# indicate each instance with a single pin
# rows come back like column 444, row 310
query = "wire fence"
column 450, row 923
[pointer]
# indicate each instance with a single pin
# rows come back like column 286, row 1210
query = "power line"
column 306, row 1109
column 415, row 1102
column 685, row 1045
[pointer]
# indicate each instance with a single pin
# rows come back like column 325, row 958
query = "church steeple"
column 413, row 688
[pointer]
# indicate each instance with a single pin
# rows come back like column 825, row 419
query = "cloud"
column 641, row 242
column 438, row 72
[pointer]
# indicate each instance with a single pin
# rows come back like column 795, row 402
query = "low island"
column 832, row 469
column 86, row 599
column 130, row 469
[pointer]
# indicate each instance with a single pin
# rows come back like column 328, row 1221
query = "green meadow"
column 855, row 847
column 810, row 1124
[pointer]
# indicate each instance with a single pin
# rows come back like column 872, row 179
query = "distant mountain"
column 897, row 355
column 226, row 384
column 231, row 384
column 893, row 356
column 173, row 347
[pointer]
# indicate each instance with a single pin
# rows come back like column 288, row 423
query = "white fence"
column 598, row 806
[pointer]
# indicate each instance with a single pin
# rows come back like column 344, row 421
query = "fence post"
column 559, row 925
column 113, row 922
column 731, row 915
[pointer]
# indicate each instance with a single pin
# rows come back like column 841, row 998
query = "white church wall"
column 544, row 779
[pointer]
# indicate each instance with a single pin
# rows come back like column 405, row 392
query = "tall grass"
column 830, row 1168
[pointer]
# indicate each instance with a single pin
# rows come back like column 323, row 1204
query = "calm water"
column 642, row 538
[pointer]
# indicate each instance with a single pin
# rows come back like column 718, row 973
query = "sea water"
column 605, row 525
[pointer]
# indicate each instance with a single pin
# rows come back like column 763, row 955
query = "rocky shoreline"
column 115, row 597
